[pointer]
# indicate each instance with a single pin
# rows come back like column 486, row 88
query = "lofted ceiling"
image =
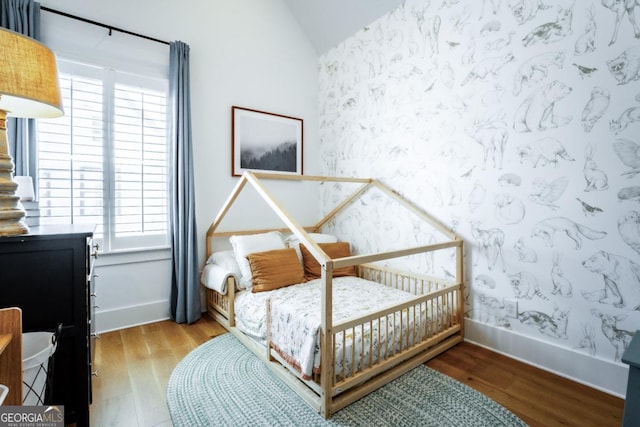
column 329, row 22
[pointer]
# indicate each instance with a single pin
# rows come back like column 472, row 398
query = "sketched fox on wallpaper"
column 554, row 326
column 508, row 209
column 547, row 229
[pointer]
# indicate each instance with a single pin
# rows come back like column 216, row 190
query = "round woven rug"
column 222, row 383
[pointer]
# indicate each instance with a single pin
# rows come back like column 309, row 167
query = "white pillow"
column 252, row 243
column 226, row 260
column 294, row 242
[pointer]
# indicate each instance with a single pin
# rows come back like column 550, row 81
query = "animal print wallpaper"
column 517, row 124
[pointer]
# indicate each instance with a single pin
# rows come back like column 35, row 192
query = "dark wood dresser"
column 48, row 274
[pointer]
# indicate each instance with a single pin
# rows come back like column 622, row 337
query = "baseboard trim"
column 597, row 373
column 127, row 317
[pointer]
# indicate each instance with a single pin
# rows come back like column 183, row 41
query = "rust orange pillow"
column 275, row 269
column 312, row 269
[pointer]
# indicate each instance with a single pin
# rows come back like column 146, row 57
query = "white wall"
column 249, row 53
column 416, row 98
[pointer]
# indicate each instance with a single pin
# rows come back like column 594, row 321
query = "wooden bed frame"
column 442, row 299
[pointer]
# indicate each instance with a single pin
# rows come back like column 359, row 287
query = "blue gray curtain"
column 185, row 289
column 22, row 16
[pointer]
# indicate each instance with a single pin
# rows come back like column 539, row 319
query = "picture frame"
column 265, row 142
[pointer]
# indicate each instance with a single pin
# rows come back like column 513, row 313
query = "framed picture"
column 265, row 142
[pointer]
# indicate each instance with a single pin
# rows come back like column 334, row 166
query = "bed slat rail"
column 391, row 336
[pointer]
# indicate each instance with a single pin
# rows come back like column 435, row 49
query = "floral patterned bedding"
column 295, row 322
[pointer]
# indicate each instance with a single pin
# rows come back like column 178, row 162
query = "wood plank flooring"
column 135, row 364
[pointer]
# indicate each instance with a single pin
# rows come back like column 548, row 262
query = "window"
column 105, row 160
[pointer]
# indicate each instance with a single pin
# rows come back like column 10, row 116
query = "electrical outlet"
column 511, row 308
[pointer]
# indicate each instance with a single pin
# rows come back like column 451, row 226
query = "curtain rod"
column 100, row 24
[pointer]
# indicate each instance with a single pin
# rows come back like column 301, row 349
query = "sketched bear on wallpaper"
column 595, row 107
column 536, row 112
column 544, row 151
column 547, row 229
column 534, row 69
column 626, row 66
column 621, row 280
column 551, row 31
column 619, row 338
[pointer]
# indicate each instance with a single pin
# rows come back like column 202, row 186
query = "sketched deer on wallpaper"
column 620, row 8
column 493, row 139
column 619, row 338
column 490, row 242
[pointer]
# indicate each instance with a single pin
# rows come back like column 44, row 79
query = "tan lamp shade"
column 28, row 78
column 28, row 88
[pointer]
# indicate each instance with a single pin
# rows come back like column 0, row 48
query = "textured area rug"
column 222, row 383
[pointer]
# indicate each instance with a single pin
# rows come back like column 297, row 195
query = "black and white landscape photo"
column 266, row 142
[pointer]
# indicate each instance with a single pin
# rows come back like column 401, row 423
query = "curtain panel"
column 22, row 16
column 185, row 289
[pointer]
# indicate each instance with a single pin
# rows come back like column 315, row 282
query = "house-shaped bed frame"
column 427, row 335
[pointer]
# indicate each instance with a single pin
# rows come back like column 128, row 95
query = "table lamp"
column 29, row 88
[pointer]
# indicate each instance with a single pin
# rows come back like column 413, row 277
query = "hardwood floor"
column 135, row 364
column 538, row 397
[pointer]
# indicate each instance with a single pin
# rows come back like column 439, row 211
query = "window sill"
column 132, row 256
